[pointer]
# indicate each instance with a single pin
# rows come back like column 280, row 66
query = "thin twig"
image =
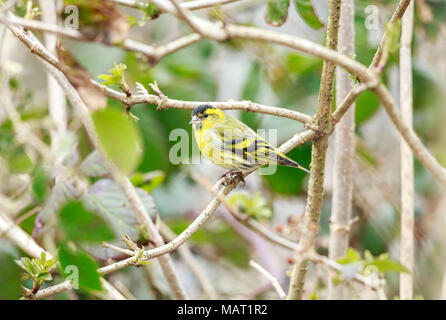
column 165, row 103
column 118, row 249
column 124, row 290
column 407, row 174
column 270, row 277
column 48, row 292
column 191, row 262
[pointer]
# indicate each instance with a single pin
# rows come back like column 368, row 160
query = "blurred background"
column 237, row 70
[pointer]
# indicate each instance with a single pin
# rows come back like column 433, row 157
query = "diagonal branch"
column 270, row 277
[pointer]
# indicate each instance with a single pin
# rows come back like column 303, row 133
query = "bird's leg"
column 232, row 175
column 239, row 174
column 227, row 177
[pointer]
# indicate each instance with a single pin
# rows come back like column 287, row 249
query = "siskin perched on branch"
column 231, row 144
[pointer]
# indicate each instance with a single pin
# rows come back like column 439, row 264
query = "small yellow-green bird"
column 231, row 144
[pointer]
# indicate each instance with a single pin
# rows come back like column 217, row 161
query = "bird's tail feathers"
column 290, row 163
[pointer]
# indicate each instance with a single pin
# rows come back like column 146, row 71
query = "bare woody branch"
column 343, row 153
column 48, row 292
column 318, row 154
column 164, row 102
column 270, row 277
column 407, row 174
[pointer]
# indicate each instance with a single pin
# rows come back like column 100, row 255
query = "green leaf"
column 384, row 264
column 389, row 266
column 106, row 198
column 368, row 257
column 352, row 256
column 20, row 162
column 254, row 206
column 115, row 77
column 277, row 12
column 84, row 225
column 306, row 11
column 10, row 278
column 119, row 137
column 366, row 106
column 313, row 296
column 29, row 266
column 150, row 10
column 89, row 279
column 148, row 181
column 40, row 183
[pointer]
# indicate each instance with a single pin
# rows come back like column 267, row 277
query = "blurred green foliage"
column 86, row 267
column 287, row 180
column 306, row 11
column 83, row 225
column 227, row 242
column 120, row 138
column 10, row 280
column 254, row 206
column 277, row 12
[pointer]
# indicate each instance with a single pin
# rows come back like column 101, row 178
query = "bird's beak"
column 194, row 120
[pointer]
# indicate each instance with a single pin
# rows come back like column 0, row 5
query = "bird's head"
column 206, row 116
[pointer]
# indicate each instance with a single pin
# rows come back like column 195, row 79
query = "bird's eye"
column 205, row 115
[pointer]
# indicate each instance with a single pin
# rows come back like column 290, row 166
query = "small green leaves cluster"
column 38, row 270
column 254, row 206
column 313, row 296
column 115, row 77
column 352, row 264
column 139, row 252
column 150, row 11
column 148, row 181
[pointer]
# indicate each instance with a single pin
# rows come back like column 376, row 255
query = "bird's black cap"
column 201, row 109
